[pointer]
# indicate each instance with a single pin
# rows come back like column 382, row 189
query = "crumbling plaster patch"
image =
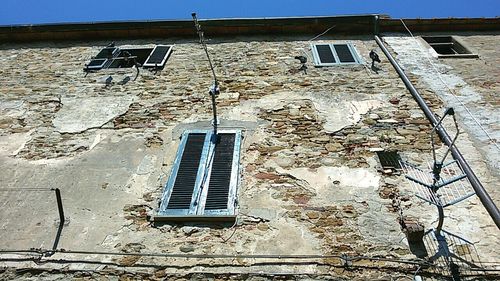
column 80, row 114
column 346, row 112
column 12, row 108
column 287, row 238
column 355, row 186
column 11, row 144
column 326, row 178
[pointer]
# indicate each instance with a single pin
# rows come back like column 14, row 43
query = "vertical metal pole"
column 214, row 90
column 61, row 221
column 214, row 109
column 59, row 206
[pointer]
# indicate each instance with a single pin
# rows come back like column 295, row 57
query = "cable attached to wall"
column 314, row 38
column 214, row 90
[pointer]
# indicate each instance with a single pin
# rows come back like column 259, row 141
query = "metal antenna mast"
column 214, row 89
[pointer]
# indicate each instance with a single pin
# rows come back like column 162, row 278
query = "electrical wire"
column 26, row 189
column 281, row 258
column 321, row 34
column 415, row 274
column 451, row 91
column 219, row 256
column 314, row 38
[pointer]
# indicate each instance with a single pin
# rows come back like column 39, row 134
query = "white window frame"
column 171, row 47
column 352, row 49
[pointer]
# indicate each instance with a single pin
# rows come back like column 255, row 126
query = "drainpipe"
column 485, row 198
column 376, row 24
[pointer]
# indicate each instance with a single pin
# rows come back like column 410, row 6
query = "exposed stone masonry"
column 310, row 181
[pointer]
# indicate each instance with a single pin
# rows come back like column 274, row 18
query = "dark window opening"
column 448, row 46
column 325, row 54
column 389, row 159
column 344, row 53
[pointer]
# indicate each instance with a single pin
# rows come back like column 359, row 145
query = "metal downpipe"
column 485, row 198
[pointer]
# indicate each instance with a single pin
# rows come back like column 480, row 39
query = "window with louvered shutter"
column 204, row 177
column 334, row 54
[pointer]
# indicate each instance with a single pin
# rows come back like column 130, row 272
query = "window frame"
column 453, row 40
column 352, row 49
column 200, row 192
column 165, row 58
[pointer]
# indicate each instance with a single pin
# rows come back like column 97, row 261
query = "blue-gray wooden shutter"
column 220, row 196
column 180, row 191
column 204, row 177
column 220, row 176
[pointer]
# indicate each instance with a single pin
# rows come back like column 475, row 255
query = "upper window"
column 204, row 178
column 115, row 57
column 449, row 47
column 334, row 54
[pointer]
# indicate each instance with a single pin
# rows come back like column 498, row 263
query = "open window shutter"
column 158, row 56
column 187, row 173
column 344, row 53
column 325, row 54
column 103, row 58
column 96, row 63
column 107, row 53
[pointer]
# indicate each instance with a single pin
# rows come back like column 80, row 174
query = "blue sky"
column 56, row 11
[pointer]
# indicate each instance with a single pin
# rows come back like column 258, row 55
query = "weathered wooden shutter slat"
column 220, row 177
column 182, row 191
column 344, row 53
column 325, row 54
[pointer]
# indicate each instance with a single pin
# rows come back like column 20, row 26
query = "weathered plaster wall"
column 310, row 181
column 470, row 86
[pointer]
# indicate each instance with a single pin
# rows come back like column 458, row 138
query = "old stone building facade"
column 313, row 200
